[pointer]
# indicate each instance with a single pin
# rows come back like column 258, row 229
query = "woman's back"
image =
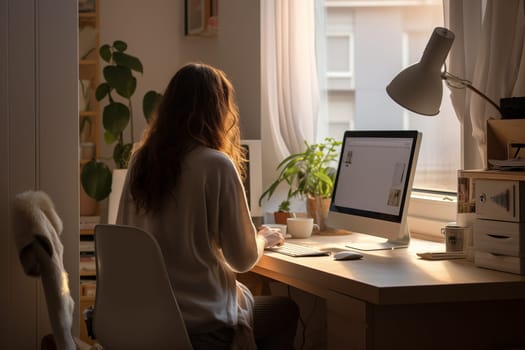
column 199, row 216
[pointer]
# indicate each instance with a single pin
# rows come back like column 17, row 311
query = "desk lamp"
column 418, row 88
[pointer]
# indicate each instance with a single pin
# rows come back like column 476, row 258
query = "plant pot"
column 117, row 184
column 317, row 208
column 281, row 216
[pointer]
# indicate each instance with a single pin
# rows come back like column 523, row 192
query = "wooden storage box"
column 499, row 228
column 500, row 200
column 502, row 132
column 500, row 237
column 513, row 264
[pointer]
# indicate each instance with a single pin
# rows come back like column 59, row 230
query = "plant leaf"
column 284, row 206
column 105, row 53
column 120, row 45
column 121, row 79
column 102, row 91
column 308, row 173
column 109, row 138
column 115, row 118
column 131, row 62
column 150, row 103
column 96, row 180
column 129, row 89
column 323, row 179
column 115, row 75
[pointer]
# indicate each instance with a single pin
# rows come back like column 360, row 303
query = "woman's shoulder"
column 212, row 158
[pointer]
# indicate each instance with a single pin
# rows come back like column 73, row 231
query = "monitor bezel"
column 393, row 228
column 405, row 134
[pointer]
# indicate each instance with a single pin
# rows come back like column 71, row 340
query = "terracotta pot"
column 317, row 208
column 281, row 216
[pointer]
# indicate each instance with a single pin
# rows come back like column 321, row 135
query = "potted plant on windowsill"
column 309, row 175
column 283, row 212
column 118, row 88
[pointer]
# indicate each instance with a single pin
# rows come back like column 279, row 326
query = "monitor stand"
column 367, row 246
column 381, row 245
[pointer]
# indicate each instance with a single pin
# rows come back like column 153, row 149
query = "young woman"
column 184, row 186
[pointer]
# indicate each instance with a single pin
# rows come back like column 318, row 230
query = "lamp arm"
column 451, row 79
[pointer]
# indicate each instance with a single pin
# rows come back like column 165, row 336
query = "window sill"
column 428, row 213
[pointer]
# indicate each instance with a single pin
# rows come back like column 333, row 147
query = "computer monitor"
column 373, row 184
column 253, row 180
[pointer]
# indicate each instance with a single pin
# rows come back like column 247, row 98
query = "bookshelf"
column 89, row 142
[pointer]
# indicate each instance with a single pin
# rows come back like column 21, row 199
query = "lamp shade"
column 418, row 88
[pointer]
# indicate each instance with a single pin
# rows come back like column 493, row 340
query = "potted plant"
column 118, row 88
column 309, row 175
column 283, row 212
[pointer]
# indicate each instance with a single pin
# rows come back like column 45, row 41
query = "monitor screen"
column 373, row 185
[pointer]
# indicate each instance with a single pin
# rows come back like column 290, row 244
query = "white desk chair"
column 135, row 307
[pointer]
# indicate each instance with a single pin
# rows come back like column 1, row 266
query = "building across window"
column 365, row 44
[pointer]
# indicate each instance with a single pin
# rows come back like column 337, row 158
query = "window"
column 361, row 46
column 366, row 44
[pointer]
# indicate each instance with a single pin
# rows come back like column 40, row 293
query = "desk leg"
column 346, row 322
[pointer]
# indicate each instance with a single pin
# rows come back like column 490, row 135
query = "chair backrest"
column 135, row 307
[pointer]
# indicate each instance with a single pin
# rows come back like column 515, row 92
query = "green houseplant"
column 309, row 175
column 118, row 87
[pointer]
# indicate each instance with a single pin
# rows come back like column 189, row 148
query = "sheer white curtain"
column 489, row 50
column 290, row 95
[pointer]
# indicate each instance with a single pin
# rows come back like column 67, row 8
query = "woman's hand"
column 272, row 236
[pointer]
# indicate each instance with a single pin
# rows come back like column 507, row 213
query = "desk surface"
column 390, row 276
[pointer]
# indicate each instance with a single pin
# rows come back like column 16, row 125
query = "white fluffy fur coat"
column 36, row 229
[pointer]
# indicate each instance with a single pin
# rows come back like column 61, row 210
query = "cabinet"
column 499, row 227
column 89, row 142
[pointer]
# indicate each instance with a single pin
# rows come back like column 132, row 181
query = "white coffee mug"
column 301, row 227
column 457, row 238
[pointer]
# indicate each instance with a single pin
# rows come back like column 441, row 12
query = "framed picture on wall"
column 200, row 17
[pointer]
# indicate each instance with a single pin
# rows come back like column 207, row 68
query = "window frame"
column 428, row 211
column 349, row 74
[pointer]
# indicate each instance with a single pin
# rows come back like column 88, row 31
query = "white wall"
column 38, row 147
column 154, row 31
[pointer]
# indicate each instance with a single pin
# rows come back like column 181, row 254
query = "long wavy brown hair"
column 197, row 108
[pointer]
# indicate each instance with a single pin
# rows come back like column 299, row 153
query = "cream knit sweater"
column 206, row 234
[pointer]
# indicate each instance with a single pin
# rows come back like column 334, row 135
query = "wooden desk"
column 394, row 300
